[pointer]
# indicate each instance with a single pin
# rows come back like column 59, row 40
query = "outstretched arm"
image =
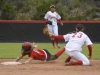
column 60, row 37
column 49, row 34
column 18, row 58
column 29, row 60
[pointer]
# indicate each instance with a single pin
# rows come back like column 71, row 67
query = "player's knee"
column 86, row 63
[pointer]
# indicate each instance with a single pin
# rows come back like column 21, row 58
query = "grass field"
column 13, row 50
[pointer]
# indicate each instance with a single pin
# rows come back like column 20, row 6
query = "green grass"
column 13, row 50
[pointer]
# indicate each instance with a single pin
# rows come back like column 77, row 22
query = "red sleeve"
column 59, row 20
column 60, row 37
column 90, row 50
column 45, row 20
column 45, row 24
column 32, row 54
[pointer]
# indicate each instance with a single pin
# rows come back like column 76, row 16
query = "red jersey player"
column 40, row 54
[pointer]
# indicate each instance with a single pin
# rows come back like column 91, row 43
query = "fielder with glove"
column 51, row 18
column 73, row 48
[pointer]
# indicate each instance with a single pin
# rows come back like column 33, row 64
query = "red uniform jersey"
column 36, row 54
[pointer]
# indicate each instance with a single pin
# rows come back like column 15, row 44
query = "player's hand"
column 34, row 45
column 61, row 23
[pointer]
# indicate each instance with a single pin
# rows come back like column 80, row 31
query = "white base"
column 11, row 63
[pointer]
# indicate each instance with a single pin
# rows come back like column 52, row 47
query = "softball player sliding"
column 53, row 16
column 73, row 47
column 40, row 54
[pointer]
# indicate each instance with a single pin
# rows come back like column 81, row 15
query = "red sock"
column 56, row 41
column 60, row 52
column 68, row 59
column 76, row 63
column 53, row 42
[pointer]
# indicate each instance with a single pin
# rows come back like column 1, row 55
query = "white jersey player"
column 53, row 16
column 74, row 46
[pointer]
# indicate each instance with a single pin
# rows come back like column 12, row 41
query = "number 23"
column 79, row 36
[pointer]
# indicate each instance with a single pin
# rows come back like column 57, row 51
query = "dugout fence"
column 31, row 30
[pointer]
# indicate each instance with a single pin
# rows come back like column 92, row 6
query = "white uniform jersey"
column 76, row 40
column 52, row 16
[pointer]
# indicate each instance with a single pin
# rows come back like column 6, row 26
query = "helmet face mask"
column 26, row 47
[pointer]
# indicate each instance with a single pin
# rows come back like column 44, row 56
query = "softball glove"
column 47, row 32
column 49, row 22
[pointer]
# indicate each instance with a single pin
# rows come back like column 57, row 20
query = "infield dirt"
column 49, row 68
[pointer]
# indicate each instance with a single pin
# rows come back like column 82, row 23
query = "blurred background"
column 36, row 9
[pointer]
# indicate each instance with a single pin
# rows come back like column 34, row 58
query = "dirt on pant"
column 56, row 67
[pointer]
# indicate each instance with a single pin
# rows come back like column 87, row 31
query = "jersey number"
column 79, row 36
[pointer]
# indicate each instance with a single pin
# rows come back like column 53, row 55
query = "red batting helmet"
column 26, row 46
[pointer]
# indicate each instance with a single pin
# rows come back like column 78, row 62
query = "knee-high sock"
column 76, row 63
column 60, row 52
column 53, row 42
column 57, row 41
column 68, row 59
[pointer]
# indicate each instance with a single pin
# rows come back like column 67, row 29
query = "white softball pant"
column 78, row 56
column 53, row 29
